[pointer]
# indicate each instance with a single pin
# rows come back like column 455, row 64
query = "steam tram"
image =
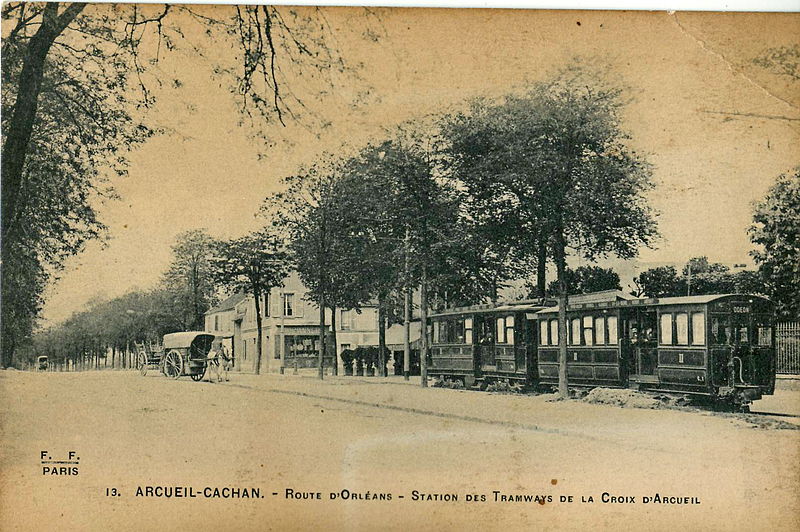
column 718, row 346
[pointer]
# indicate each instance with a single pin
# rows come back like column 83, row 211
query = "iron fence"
column 787, row 338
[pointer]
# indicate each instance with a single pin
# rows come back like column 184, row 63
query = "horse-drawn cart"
column 182, row 353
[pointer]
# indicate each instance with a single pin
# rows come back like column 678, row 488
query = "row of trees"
column 457, row 205
column 78, row 81
column 201, row 269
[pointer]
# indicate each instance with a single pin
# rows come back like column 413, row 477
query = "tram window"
column 553, row 332
column 576, row 331
column 468, row 330
column 543, row 333
column 743, row 334
column 682, row 328
column 600, row 330
column 698, row 328
column 510, row 329
column 720, row 330
column 436, row 336
column 501, row 330
column 588, row 330
column 666, row 329
column 612, row 330
column 765, row 336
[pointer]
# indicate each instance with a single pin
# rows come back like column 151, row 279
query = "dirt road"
column 393, row 448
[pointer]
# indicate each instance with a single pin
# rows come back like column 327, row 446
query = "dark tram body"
column 720, row 346
column 482, row 343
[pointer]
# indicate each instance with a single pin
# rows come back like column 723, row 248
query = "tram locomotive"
column 718, row 346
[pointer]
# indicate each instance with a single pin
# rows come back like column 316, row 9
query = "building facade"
column 290, row 328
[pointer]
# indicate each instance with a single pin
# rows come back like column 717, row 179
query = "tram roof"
column 530, row 305
column 651, row 302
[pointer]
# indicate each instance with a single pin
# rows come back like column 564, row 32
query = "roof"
column 522, row 305
column 183, row 339
column 655, row 302
column 602, row 295
column 228, row 303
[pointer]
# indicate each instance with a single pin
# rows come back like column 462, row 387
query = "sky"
column 717, row 128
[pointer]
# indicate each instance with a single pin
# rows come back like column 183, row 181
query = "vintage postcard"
column 363, row 268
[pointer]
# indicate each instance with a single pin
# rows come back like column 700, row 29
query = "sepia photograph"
column 274, row 267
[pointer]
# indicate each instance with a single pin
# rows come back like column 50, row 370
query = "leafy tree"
column 323, row 250
column 557, row 153
column 662, row 281
column 188, row 279
column 77, row 80
column 588, row 279
column 409, row 222
column 776, row 232
column 253, row 264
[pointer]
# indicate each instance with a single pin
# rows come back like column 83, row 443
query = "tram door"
column 526, row 346
column 741, row 349
column 640, row 342
column 485, row 328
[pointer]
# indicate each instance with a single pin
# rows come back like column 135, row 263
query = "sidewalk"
column 540, row 413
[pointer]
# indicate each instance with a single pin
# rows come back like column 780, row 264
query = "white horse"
column 219, row 361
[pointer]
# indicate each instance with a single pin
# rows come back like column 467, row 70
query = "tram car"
column 718, row 346
column 484, row 343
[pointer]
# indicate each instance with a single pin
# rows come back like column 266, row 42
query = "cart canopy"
column 187, row 339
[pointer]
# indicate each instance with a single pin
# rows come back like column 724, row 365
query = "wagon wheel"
column 199, row 376
column 141, row 363
column 173, row 365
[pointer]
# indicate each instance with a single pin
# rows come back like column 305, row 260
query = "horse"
column 219, row 361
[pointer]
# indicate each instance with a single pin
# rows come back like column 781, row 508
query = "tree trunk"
column 423, row 317
column 541, row 269
column 406, row 310
column 321, row 351
column 560, row 259
column 381, row 336
column 407, row 333
column 259, row 332
column 334, row 340
column 20, row 126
